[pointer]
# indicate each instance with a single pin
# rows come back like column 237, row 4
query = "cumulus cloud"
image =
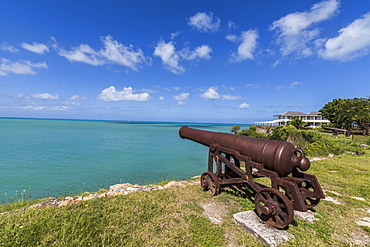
column 181, row 103
column 181, row 96
column 6, row 47
column 20, row 67
column 112, row 52
column 45, row 96
column 35, row 47
column 211, row 93
column 243, row 106
column 167, row 52
column 161, row 98
column 171, row 58
column 353, row 41
column 295, row 32
column 111, row 94
column 247, row 44
column 204, row 22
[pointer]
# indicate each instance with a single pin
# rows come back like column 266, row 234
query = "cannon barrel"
column 279, row 156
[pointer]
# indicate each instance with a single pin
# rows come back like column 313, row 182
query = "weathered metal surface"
column 241, row 159
column 278, row 156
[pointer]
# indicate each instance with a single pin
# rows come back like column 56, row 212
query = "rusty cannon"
column 241, row 160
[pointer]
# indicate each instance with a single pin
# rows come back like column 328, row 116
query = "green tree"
column 343, row 113
column 297, row 122
column 235, row 129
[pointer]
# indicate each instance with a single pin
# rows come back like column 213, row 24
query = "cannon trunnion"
column 240, row 159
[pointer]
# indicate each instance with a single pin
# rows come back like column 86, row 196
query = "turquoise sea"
column 48, row 158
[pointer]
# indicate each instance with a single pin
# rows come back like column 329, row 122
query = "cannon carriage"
column 241, row 159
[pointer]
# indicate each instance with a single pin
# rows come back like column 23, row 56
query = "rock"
column 171, row 184
column 264, row 233
column 114, row 190
column 331, row 199
column 358, row 198
column 364, row 222
column 215, row 211
column 363, row 145
column 119, row 186
column 307, row 216
column 156, row 187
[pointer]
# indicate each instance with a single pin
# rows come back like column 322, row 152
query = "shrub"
column 252, row 133
column 282, row 132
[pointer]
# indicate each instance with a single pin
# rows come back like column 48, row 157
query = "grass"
column 174, row 217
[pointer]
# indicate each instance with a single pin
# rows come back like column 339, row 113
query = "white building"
column 313, row 119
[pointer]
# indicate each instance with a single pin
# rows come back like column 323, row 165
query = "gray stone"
column 308, row 216
column 364, row 222
column 363, row 145
column 266, row 234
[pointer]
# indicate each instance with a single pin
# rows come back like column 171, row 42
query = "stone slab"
column 266, row 234
column 308, row 216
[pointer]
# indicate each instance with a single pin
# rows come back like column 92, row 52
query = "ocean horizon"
column 42, row 158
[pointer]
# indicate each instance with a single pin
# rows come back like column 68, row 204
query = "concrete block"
column 266, row 234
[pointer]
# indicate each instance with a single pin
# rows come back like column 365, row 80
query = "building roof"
column 297, row 113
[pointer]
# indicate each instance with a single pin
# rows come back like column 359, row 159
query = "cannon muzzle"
column 279, row 156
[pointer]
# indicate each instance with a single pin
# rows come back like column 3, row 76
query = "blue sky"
column 202, row 61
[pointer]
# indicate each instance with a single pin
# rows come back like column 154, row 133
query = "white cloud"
column 175, row 34
column 280, row 87
column 84, row 54
column 199, row 52
column 171, row 58
column 231, row 25
column 111, row 94
column 60, row 108
column 247, row 44
column 167, row 52
column 45, row 96
column 6, row 47
column 252, row 85
column 35, row 47
column 24, row 108
column 243, row 106
column 204, row 22
column 123, row 55
column 78, row 97
column 181, row 96
column 181, row 103
column 353, row 41
column 112, row 52
column 21, row 67
column 210, row 93
column 296, row 83
column 161, row 98
column 71, row 103
column 231, row 97
column 294, row 31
